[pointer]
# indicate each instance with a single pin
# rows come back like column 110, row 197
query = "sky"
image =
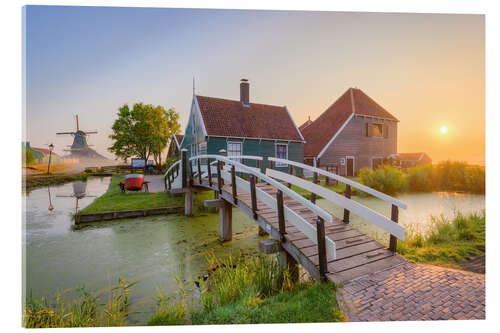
column 428, row 70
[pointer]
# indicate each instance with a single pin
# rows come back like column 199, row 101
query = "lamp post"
column 51, row 148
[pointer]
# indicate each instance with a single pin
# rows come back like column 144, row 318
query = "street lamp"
column 51, row 148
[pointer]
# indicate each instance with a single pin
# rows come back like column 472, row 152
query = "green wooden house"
column 242, row 128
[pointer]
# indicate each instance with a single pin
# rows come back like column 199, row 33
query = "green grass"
column 251, row 290
column 450, row 241
column 114, row 199
column 41, row 180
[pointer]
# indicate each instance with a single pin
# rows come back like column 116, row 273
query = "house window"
column 375, row 130
column 281, row 152
column 234, row 149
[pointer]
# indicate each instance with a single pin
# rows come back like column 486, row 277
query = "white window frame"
column 234, row 142
column 278, row 164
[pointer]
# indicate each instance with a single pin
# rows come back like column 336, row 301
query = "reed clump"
column 86, row 310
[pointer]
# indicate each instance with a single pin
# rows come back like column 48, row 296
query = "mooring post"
column 393, row 241
column 184, row 167
column 320, row 229
column 347, row 194
column 226, row 222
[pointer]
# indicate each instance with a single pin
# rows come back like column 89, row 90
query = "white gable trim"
column 197, row 107
column 294, row 124
column 177, row 142
column 335, row 136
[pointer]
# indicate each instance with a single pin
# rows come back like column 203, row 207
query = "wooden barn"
column 408, row 160
column 242, row 128
column 353, row 133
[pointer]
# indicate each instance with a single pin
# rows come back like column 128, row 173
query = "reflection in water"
column 152, row 250
column 79, row 192
column 51, row 207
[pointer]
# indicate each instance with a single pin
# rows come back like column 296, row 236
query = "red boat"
column 134, row 182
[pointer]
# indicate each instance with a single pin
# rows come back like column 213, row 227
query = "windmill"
column 80, row 148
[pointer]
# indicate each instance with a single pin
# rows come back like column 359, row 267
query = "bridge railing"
column 326, row 246
column 396, row 231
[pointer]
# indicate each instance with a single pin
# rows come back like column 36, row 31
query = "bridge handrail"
column 316, row 209
column 171, row 167
column 246, row 157
column 364, row 212
column 344, row 180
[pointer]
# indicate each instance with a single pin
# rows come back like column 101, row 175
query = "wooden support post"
column 393, row 241
column 320, row 228
column 191, row 174
column 188, row 203
column 233, row 184
column 347, row 194
column 209, row 170
column 253, row 196
column 291, row 173
column 262, row 232
column 169, row 183
column 220, row 182
column 265, row 163
column 199, row 170
column 281, row 215
column 289, row 262
column 315, row 181
column 226, row 222
column 184, row 167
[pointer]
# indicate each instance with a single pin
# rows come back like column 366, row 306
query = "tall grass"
column 85, row 311
column 385, row 179
column 448, row 242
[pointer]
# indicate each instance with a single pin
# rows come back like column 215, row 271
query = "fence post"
column 199, row 170
column 281, row 215
column 315, row 181
column 393, row 241
column 220, row 182
column 209, row 173
column 347, row 194
column 233, row 184
column 184, row 167
column 320, row 228
column 253, row 195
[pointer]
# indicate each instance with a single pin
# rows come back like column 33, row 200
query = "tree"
column 28, row 156
column 142, row 131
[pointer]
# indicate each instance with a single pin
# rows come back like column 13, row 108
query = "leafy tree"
column 142, row 131
column 28, row 156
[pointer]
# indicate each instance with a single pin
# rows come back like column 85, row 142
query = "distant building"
column 304, row 125
column 353, row 133
column 242, row 128
column 408, row 160
column 175, row 146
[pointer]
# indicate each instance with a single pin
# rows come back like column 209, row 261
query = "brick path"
column 414, row 292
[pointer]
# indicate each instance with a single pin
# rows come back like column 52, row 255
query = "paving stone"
column 414, row 292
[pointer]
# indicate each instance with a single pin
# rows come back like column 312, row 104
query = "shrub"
column 421, row 178
column 385, row 179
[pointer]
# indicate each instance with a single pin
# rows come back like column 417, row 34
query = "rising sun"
column 443, row 129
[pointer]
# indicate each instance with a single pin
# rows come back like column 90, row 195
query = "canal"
column 152, row 250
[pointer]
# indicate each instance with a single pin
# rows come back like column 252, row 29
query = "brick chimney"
column 245, row 92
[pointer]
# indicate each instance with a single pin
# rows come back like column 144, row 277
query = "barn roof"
column 229, row 118
column 44, row 151
column 325, row 127
column 409, row 156
column 304, row 125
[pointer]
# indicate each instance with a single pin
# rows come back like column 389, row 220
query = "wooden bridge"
column 328, row 247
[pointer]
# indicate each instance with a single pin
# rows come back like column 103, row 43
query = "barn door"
column 350, row 166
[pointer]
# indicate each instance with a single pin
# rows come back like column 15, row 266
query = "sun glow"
column 443, row 129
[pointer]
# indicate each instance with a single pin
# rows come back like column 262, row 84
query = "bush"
column 421, row 178
column 385, row 179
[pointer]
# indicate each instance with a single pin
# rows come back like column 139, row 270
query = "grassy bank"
column 34, row 181
column 449, row 243
column 114, row 199
column 87, row 310
column 249, row 291
column 445, row 176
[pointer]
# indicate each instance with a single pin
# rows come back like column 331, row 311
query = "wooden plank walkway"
column 357, row 253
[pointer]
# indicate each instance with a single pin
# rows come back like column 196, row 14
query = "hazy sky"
column 426, row 69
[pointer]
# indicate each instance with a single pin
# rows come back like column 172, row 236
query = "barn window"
column 281, row 152
column 374, row 130
column 234, row 149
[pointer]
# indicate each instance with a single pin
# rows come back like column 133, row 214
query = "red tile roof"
column 44, row 151
column 322, row 130
column 410, row 156
column 223, row 117
column 304, row 125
